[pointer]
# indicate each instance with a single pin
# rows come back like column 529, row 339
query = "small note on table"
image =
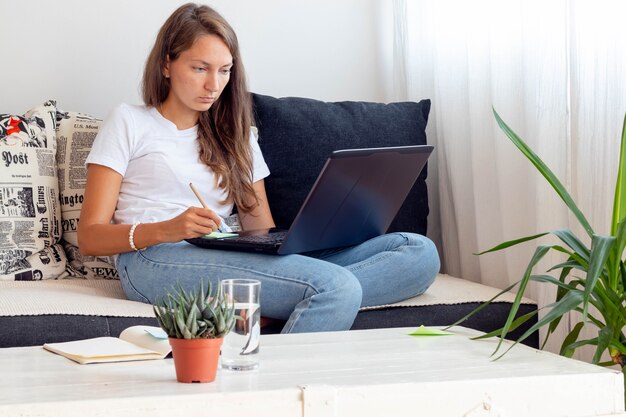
column 429, row 331
column 156, row 332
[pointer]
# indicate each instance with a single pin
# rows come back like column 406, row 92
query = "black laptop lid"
column 356, row 196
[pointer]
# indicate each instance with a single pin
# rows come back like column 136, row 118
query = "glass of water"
column 240, row 350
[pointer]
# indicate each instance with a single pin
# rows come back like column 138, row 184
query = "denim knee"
column 330, row 305
column 350, row 295
column 343, row 294
column 427, row 258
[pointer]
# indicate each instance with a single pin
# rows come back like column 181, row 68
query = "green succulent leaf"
column 181, row 324
column 208, row 313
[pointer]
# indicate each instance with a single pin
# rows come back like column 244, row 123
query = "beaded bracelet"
column 131, row 236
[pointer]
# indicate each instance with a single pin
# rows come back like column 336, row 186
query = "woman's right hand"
column 193, row 222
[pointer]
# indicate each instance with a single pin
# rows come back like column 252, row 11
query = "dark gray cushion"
column 297, row 135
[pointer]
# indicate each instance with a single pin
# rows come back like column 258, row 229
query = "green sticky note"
column 429, row 331
column 219, row 235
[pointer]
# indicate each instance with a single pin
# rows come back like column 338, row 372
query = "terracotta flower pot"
column 196, row 360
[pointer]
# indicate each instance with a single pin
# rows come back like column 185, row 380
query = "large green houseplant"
column 196, row 323
column 590, row 275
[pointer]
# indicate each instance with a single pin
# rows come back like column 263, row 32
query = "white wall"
column 89, row 55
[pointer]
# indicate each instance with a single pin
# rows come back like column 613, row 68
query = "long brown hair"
column 224, row 129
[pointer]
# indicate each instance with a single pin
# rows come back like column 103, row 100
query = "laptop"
column 355, row 198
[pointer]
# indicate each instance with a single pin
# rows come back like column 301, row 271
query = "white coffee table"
column 358, row 373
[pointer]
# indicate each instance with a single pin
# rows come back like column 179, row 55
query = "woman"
column 195, row 127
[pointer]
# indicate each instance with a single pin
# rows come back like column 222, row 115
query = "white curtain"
column 556, row 73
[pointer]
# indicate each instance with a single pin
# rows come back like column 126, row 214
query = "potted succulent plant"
column 590, row 275
column 196, row 323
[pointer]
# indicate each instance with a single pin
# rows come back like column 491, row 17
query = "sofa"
column 49, row 292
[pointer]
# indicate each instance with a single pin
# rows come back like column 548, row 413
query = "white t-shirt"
column 158, row 162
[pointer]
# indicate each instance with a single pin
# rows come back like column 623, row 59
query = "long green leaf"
column 615, row 257
column 608, row 304
column 513, row 242
column 481, row 307
column 565, row 305
column 568, row 265
column 619, row 202
column 516, row 323
column 604, row 339
column 546, row 172
column 575, row 345
column 583, row 261
column 539, row 254
column 560, row 292
column 551, row 280
column 600, row 249
column 571, row 240
column 616, row 297
column 571, row 338
column 598, row 323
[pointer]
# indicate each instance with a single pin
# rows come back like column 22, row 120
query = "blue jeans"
column 319, row 291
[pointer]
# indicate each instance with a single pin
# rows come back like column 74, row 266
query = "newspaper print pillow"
column 75, row 135
column 30, row 217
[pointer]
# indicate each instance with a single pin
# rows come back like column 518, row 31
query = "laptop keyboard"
column 270, row 238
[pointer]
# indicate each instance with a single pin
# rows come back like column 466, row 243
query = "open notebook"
column 134, row 344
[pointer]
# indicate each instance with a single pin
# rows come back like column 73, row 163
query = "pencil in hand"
column 222, row 227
